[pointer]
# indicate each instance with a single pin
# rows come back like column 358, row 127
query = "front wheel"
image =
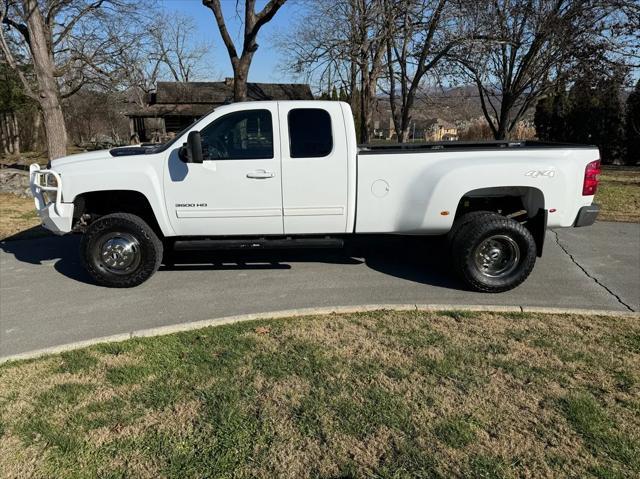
column 120, row 250
column 493, row 253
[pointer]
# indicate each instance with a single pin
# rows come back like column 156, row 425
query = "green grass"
column 600, row 432
column 382, row 394
column 76, row 361
column 456, row 432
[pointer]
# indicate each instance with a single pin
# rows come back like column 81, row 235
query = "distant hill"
column 454, row 105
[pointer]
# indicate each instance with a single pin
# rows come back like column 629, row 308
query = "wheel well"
column 90, row 206
column 524, row 204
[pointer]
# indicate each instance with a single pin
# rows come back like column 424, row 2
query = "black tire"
column 463, row 221
column 141, row 254
column 492, row 253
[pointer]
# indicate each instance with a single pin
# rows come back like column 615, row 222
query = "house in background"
column 441, row 130
column 175, row 105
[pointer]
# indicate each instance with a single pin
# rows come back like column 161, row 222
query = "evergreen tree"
column 542, row 118
column 12, row 96
column 334, row 94
column 632, row 127
column 12, row 100
column 591, row 112
column 550, row 115
column 595, row 115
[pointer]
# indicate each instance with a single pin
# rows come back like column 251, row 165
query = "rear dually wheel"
column 492, row 253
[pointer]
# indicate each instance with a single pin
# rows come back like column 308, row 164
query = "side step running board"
column 260, row 243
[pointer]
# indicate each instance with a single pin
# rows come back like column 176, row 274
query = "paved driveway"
column 46, row 299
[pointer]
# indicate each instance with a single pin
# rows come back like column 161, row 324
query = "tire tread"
column 466, row 241
column 152, row 256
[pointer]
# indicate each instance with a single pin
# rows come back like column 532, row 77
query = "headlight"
column 51, row 181
column 47, row 180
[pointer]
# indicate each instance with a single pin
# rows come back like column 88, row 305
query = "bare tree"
column 166, row 50
column 253, row 22
column 343, row 42
column 421, row 34
column 174, row 47
column 68, row 44
column 370, row 33
column 320, row 48
column 534, row 44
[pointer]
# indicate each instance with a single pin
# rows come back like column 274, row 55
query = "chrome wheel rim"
column 119, row 253
column 497, row 256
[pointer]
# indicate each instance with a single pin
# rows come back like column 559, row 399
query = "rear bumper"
column 56, row 216
column 587, row 215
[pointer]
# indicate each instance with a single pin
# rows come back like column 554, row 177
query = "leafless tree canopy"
column 512, row 50
column 530, row 45
column 166, row 50
column 58, row 47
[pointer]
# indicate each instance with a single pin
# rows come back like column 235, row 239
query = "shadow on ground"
column 414, row 259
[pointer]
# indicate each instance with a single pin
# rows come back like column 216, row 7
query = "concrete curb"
column 293, row 313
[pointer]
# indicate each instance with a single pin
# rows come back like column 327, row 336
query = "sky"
column 267, row 61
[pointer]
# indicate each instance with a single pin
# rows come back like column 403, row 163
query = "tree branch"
column 215, row 7
column 72, row 23
column 21, row 27
column 6, row 51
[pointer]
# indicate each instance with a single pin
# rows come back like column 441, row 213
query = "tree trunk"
column 353, row 86
column 405, row 119
column 9, row 133
column 240, row 87
column 364, row 108
column 3, row 135
column 54, row 127
column 35, row 134
column 240, row 74
column 47, row 87
column 15, row 140
column 502, row 132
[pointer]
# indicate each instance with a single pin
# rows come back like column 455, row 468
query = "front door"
column 236, row 189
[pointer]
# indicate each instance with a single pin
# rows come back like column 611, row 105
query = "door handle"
column 261, row 174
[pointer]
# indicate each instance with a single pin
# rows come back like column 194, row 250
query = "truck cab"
column 278, row 168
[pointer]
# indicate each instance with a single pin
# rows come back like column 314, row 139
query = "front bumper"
column 56, row 216
column 587, row 215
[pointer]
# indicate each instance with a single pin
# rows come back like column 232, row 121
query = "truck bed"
column 417, row 188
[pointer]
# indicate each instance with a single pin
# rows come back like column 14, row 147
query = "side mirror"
column 191, row 151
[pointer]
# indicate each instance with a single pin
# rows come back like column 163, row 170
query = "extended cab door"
column 236, row 190
column 314, row 168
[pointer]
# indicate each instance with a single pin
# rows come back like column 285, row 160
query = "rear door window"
column 309, row 133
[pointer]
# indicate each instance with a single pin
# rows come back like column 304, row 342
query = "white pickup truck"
column 277, row 174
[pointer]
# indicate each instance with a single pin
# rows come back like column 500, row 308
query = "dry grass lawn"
column 619, row 195
column 383, row 394
column 17, row 217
